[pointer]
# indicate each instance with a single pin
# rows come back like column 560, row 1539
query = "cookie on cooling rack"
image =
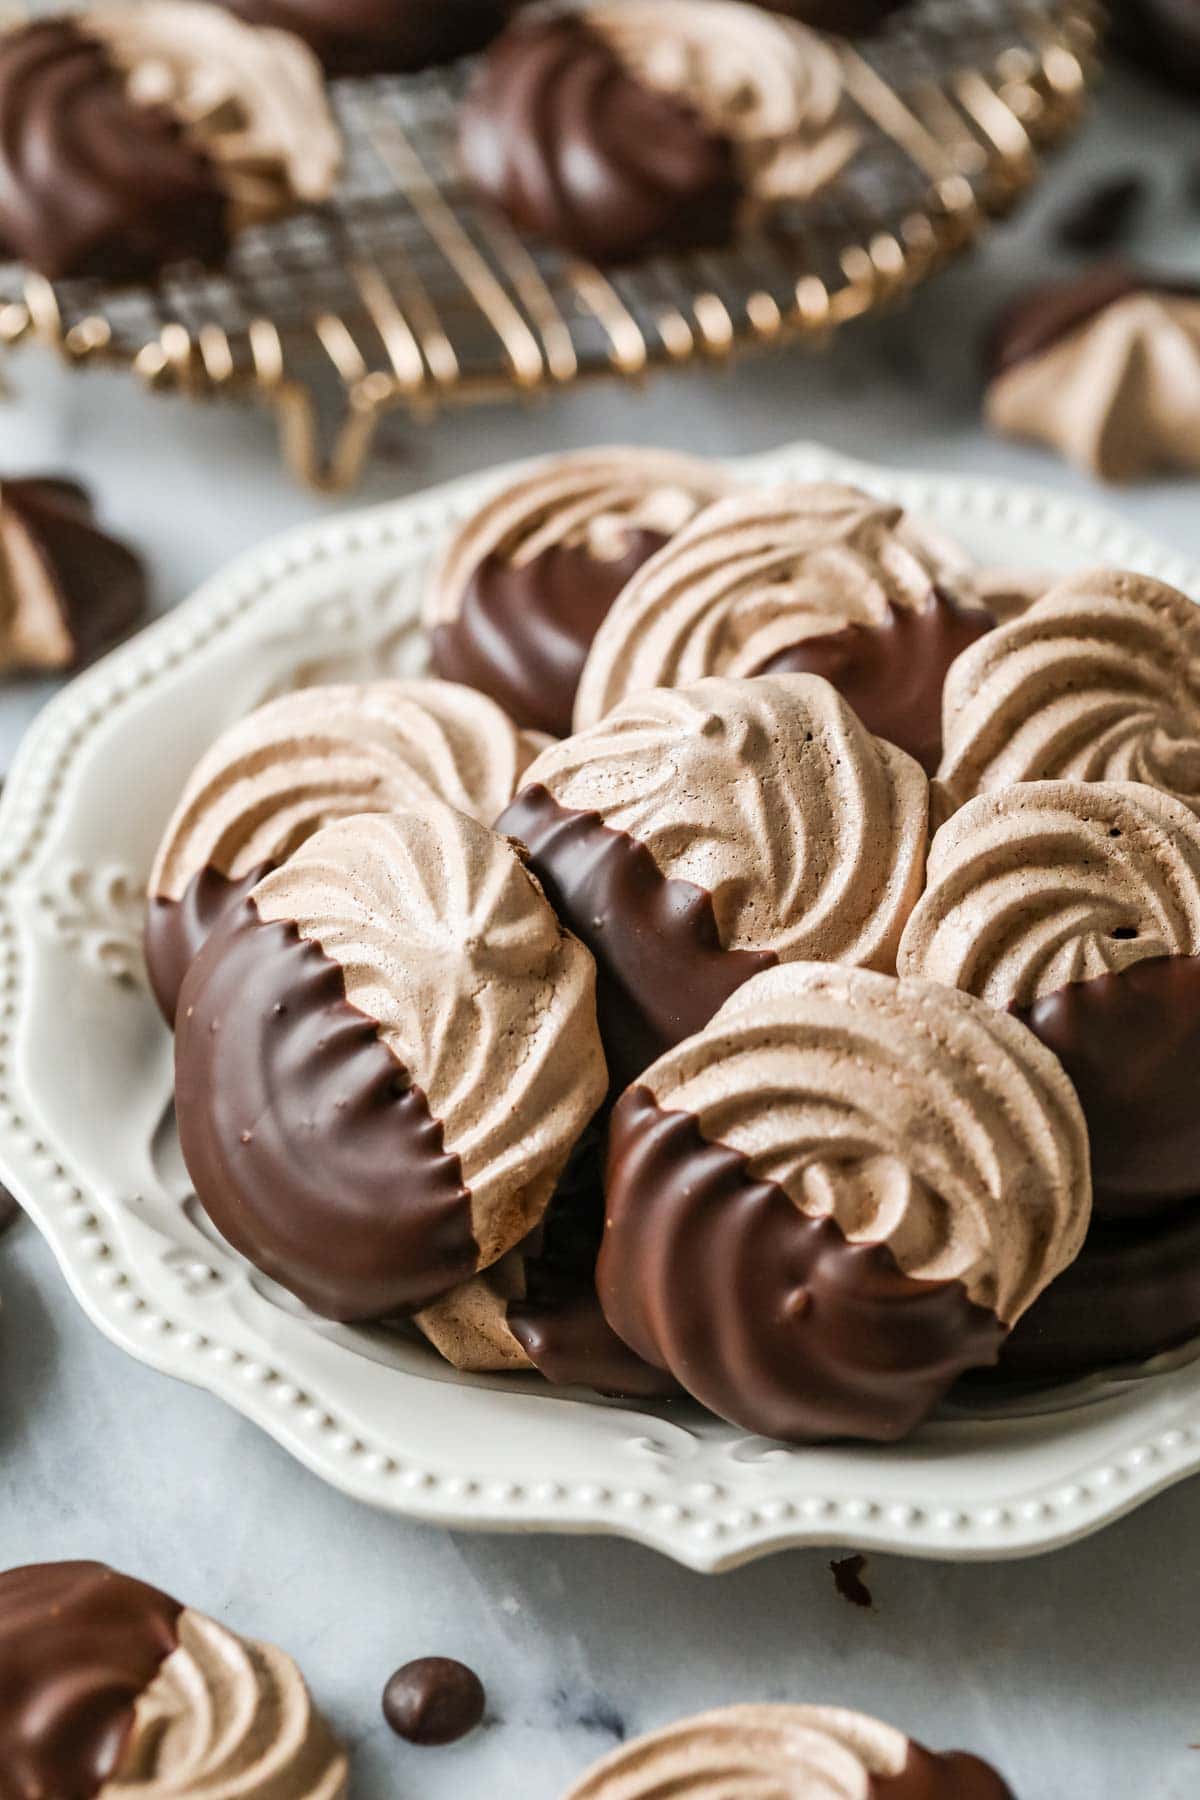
column 837, row 1197
column 624, row 127
column 814, row 578
column 137, row 135
column 110, row 1688
column 300, row 762
column 803, row 1752
column 1104, row 368
column 1099, row 680
column 698, row 835
column 380, row 37
column 384, row 1056
column 530, row 576
column 67, row 589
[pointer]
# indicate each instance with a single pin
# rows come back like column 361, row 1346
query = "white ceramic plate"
column 88, row 1144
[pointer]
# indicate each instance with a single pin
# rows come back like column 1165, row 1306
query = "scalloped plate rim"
column 714, row 1531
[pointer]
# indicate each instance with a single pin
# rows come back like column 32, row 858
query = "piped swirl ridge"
column 1097, row 681
column 1034, row 887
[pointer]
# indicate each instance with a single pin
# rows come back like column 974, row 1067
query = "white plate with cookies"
column 88, row 1141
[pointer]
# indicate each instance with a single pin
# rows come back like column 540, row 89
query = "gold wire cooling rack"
column 405, row 293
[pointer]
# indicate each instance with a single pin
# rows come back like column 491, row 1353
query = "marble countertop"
column 1066, row 1670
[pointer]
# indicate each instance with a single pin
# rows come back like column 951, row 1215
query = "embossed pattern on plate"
column 87, row 1138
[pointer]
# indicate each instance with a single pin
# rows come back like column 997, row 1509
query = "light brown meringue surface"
column 768, row 83
column 447, row 942
column 911, row 1114
column 755, row 575
column 469, row 1325
column 1031, row 888
column 765, row 1752
column 307, row 758
column 592, row 500
column 1119, row 395
column 767, row 794
column 1097, row 681
column 227, row 1719
column 251, row 98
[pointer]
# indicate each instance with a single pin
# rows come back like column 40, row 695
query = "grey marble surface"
column 1076, row 1673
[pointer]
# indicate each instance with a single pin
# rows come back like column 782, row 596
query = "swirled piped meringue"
column 1097, row 681
column 783, row 1753
column 1105, row 370
column 766, row 83
column 1033, row 887
column 300, row 762
column 698, row 834
column 817, row 577
column 836, row 1197
column 527, row 580
column 383, row 1060
column 227, row 1719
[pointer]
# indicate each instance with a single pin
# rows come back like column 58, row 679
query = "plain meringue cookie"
column 778, row 1752
column 527, row 580
column 814, row 578
column 697, row 835
column 298, row 763
column 384, row 1057
column 1104, row 368
column 1099, row 680
column 837, row 1197
column 111, row 1690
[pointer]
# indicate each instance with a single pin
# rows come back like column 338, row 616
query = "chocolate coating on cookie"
column 816, row 577
column 79, row 1645
column 383, row 1059
column 298, row 763
column 698, row 835
column 528, row 579
column 380, row 37
column 848, row 18
column 1164, row 37
column 785, row 1753
column 553, row 96
column 67, row 589
column 837, row 1197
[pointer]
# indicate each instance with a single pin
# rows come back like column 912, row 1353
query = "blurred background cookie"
column 380, row 37
column 67, row 589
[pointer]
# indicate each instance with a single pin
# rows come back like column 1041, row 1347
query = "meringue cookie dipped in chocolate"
column 698, row 835
column 1077, row 906
column 378, row 37
column 838, row 1196
column 383, row 1058
column 109, row 1689
column 300, row 762
column 848, row 18
column 815, row 578
column 137, row 135
column 785, row 1753
column 67, row 589
column 1097, row 681
column 1105, row 369
column 624, row 127
column 529, row 578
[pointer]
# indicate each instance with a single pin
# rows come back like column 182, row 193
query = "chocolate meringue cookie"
column 838, row 1196
column 1077, row 906
column 1097, row 681
column 383, row 1058
column 381, row 37
column 67, row 589
column 140, row 134
column 110, row 1689
column 1163, row 36
column 814, row 578
column 628, row 126
column 848, row 18
column 527, row 580
column 785, row 1753
column 698, row 835
column 300, row 762
column 1105, row 369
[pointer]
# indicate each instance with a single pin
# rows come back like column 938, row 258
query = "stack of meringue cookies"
column 748, row 970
